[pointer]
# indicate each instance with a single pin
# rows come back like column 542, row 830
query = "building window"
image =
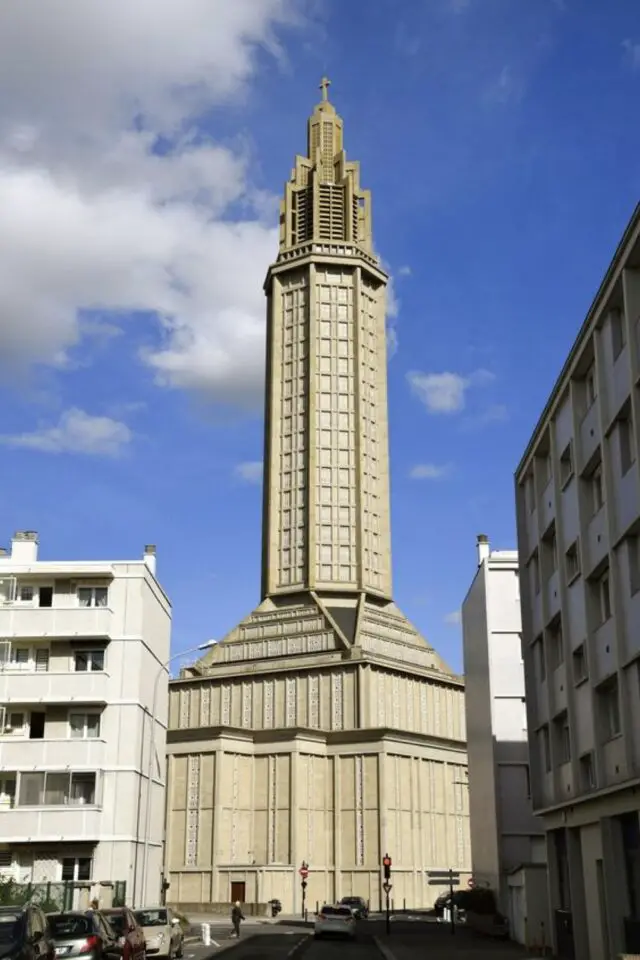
column 7, row 791
column 603, row 596
column 633, row 559
column 93, row 596
column 538, row 648
column 83, row 726
column 530, row 493
column 20, row 658
column 587, row 772
column 56, row 789
column 549, row 553
column 566, row 464
column 591, row 391
column 534, row 565
column 562, row 738
column 555, row 643
column 26, row 593
column 42, row 660
column 572, row 562
column 618, row 338
column 45, row 596
column 579, row 663
column 37, row 720
column 92, row 660
column 76, row 868
column 625, row 439
column 17, row 723
column 545, row 748
column 609, row 709
column 597, row 490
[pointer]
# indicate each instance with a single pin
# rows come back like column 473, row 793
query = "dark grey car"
column 87, row 935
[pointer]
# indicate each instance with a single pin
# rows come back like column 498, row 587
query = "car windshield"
column 152, row 918
column 117, row 922
column 336, row 912
column 355, row 900
column 67, row 926
column 9, row 927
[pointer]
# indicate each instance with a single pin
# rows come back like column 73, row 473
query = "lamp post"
column 163, row 669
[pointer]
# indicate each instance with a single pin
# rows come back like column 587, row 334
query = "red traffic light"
column 386, row 861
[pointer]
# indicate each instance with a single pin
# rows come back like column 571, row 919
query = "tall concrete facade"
column 578, row 500
column 508, row 845
column 324, row 728
column 80, row 643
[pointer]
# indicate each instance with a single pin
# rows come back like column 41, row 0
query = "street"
column 412, row 936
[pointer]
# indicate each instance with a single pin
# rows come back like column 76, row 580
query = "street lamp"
column 163, row 669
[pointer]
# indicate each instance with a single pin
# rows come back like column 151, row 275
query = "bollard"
column 404, row 905
column 205, row 929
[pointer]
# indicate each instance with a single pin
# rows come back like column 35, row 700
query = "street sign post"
column 386, row 886
column 446, row 878
column 304, row 873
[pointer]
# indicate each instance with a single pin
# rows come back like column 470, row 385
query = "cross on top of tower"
column 324, row 86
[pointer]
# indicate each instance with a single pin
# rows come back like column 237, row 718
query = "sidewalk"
column 436, row 942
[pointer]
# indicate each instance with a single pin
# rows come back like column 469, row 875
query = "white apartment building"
column 81, row 644
column 578, row 505
column 508, row 846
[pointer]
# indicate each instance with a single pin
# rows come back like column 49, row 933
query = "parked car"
column 357, row 905
column 129, row 933
column 444, row 901
column 162, row 932
column 335, row 921
column 24, row 934
column 78, row 934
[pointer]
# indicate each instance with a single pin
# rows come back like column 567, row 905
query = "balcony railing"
column 58, row 753
column 73, row 621
column 49, row 824
column 48, row 686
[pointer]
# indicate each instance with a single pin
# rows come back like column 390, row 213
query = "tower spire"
column 323, row 200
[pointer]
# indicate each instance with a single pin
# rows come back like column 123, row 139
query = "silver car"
column 162, row 932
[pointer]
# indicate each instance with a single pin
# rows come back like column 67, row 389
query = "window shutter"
column 42, row 661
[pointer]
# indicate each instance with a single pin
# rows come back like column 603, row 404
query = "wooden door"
column 238, row 891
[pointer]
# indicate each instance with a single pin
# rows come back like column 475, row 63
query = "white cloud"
column 632, row 52
column 430, row 471
column 454, row 618
column 251, row 471
column 77, row 432
column 93, row 217
column 404, row 271
column 445, row 392
column 504, row 88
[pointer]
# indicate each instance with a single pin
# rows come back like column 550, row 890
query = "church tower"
column 323, row 728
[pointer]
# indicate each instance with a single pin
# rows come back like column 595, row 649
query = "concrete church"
column 323, row 728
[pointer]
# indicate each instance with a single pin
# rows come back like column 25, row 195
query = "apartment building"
column 508, row 847
column 81, row 644
column 578, row 507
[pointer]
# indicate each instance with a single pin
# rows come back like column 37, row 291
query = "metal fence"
column 55, row 897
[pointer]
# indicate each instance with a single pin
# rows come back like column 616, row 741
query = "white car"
column 335, row 921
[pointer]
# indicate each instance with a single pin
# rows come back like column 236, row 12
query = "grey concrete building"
column 324, row 728
column 578, row 505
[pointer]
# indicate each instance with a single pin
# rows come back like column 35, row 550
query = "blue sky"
column 139, row 172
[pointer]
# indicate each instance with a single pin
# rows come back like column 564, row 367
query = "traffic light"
column 386, row 863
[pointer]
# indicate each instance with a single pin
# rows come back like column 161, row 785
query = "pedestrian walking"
column 236, row 917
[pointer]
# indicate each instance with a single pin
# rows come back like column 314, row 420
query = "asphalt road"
column 281, row 942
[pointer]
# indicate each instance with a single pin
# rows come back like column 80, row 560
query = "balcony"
column 29, row 686
column 19, row 753
column 546, row 506
column 589, row 435
column 48, row 824
column 552, row 595
column 603, row 651
column 597, row 539
column 17, row 620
